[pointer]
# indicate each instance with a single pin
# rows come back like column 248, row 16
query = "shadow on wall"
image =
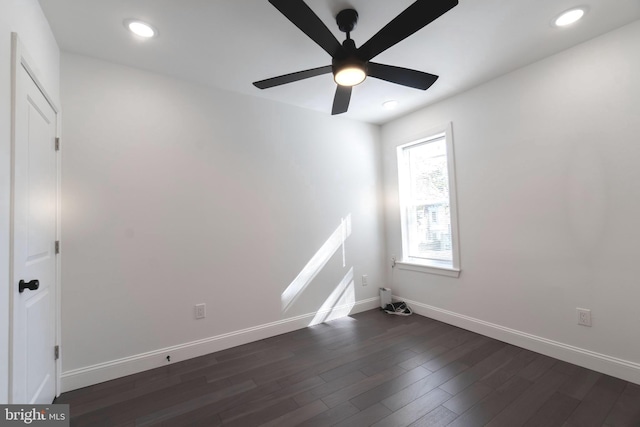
column 315, row 265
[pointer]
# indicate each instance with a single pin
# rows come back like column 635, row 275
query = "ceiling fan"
column 351, row 65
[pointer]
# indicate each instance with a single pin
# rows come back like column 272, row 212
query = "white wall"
column 26, row 18
column 176, row 194
column 548, row 198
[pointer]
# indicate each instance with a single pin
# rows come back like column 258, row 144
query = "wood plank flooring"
column 371, row 369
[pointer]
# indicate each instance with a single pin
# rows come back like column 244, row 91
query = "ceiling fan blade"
column 293, row 77
column 402, row 76
column 341, row 100
column 414, row 18
column 304, row 18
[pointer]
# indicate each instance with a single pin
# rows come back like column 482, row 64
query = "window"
column 427, row 203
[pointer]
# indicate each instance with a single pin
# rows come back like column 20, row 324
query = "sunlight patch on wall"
column 317, row 263
column 339, row 303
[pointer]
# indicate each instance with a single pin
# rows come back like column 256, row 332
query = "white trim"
column 610, row 365
column 83, row 377
column 430, row 269
column 58, row 295
column 446, row 131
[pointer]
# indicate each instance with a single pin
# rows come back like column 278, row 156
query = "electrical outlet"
column 201, row 311
column 584, row 316
column 365, row 280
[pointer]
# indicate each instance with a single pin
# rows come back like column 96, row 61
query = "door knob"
column 31, row 285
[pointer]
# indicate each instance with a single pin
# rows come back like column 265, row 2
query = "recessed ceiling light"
column 390, row 105
column 140, row 28
column 569, row 17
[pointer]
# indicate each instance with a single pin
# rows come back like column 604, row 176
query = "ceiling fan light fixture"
column 350, row 75
column 569, row 17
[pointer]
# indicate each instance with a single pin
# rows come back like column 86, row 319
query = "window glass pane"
column 428, row 211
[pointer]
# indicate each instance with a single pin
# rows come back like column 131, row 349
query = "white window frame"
column 451, row 269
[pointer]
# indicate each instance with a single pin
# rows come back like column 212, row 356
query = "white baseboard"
column 624, row 369
column 90, row 375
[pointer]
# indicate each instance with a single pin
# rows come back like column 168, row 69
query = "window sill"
column 440, row 269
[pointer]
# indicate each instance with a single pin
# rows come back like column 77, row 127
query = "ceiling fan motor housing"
column 347, row 20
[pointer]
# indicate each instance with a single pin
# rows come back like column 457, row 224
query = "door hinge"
column 57, row 247
column 57, row 144
column 56, row 351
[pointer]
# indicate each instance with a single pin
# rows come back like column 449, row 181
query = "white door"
column 33, row 366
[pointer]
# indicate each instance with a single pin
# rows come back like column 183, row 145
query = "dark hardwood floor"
column 368, row 369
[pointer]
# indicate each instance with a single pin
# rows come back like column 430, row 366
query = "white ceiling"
column 230, row 44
